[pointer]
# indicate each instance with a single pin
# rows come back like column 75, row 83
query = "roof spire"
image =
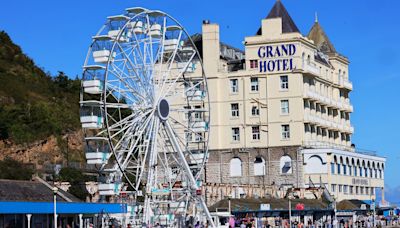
column 279, row 11
column 316, row 17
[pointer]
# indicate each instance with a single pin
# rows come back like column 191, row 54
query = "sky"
column 57, row 34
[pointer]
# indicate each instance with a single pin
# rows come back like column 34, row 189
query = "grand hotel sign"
column 276, row 58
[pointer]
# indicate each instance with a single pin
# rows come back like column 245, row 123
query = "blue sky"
column 56, row 34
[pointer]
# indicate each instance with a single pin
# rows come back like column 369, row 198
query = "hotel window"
column 365, row 172
column 345, row 189
column 259, row 166
column 340, row 188
column 187, row 113
column 284, row 107
column 366, row 190
column 361, row 173
column 255, row 111
column 235, row 109
column 356, row 190
column 198, row 115
column 256, row 132
column 361, row 190
column 234, row 86
column 254, row 84
column 350, row 169
column 284, row 82
column 351, row 190
column 355, row 171
column 344, row 169
column 371, row 173
column 338, row 168
column 332, row 168
column 235, row 134
column 253, row 63
column 376, row 173
column 235, row 167
column 285, row 131
column 286, row 164
column 333, row 187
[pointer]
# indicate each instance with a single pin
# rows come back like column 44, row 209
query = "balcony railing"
column 326, row 122
column 311, row 68
column 326, row 145
column 345, row 83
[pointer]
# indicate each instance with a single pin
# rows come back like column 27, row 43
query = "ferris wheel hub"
column 163, row 109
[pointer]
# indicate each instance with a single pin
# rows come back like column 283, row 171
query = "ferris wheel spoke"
column 126, row 120
column 128, row 59
column 186, row 128
column 133, row 88
column 139, row 136
column 169, row 63
column 146, row 151
column 128, row 131
column 173, row 84
column 172, row 136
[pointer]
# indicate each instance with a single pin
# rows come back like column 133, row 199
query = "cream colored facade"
column 301, row 100
column 347, row 175
column 317, row 94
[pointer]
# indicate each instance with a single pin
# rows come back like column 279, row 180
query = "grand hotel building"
column 281, row 115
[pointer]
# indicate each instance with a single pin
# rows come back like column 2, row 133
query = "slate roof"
column 253, row 204
column 279, row 11
column 351, row 205
column 320, row 39
column 30, row 191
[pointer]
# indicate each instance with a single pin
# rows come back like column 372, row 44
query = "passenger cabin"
column 91, row 115
column 97, row 150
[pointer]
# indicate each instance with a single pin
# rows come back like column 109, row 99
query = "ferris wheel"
column 145, row 113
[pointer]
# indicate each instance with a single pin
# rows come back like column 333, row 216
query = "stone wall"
column 218, row 169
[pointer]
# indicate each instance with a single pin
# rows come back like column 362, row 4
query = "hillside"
column 35, row 107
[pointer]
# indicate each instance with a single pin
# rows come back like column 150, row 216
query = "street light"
column 55, row 189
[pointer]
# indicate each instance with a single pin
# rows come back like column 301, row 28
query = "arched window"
column 315, row 165
column 286, row 164
column 259, row 166
column 235, row 167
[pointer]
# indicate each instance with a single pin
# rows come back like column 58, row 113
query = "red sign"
column 300, row 206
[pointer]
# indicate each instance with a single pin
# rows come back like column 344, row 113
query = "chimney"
column 211, row 48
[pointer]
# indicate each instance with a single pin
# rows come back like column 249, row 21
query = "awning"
column 61, row 208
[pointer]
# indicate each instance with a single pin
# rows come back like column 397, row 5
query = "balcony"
column 345, row 83
column 311, row 68
column 348, row 85
column 326, row 145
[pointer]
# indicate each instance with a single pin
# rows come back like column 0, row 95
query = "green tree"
column 14, row 170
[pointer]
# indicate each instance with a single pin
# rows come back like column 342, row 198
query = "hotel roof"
column 320, row 39
column 279, row 11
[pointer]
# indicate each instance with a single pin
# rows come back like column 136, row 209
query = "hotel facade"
column 280, row 115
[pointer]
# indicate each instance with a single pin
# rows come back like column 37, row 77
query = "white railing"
column 348, row 85
column 311, row 68
column 326, row 145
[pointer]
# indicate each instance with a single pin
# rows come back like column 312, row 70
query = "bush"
column 14, row 170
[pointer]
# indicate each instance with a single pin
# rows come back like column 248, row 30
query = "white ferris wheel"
column 145, row 113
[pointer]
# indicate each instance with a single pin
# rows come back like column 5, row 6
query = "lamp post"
column 335, row 222
column 373, row 212
column 290, row 214
column 55, row 189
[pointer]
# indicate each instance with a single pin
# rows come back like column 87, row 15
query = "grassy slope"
column 33, row 105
